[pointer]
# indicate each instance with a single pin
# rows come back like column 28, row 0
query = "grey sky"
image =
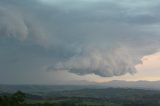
column 53, row 41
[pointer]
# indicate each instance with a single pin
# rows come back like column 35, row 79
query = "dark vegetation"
column 84, row 97
column 17, row 99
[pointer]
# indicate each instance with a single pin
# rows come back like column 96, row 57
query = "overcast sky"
column 79, row 41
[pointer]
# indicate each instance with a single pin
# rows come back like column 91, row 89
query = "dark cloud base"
column 103, row 38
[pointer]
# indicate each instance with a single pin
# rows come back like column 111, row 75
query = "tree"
column 18, row 99
column 4, row 101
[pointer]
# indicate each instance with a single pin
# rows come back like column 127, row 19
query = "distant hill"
column 153, row 85
column 39, row 89
column 43, row 89
column 105, row 92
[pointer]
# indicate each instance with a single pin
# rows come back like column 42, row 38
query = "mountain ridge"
column 155, row 85
column 146, row 85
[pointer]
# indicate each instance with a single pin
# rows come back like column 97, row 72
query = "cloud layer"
column 106, row 38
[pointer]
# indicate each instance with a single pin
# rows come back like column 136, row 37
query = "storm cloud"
column 105, row 38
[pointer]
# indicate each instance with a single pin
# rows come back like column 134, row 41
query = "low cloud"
column 105, row 63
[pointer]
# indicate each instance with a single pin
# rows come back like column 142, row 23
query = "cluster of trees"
column 17, row 99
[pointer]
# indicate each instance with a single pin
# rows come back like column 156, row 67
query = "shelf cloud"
column 105, row 38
